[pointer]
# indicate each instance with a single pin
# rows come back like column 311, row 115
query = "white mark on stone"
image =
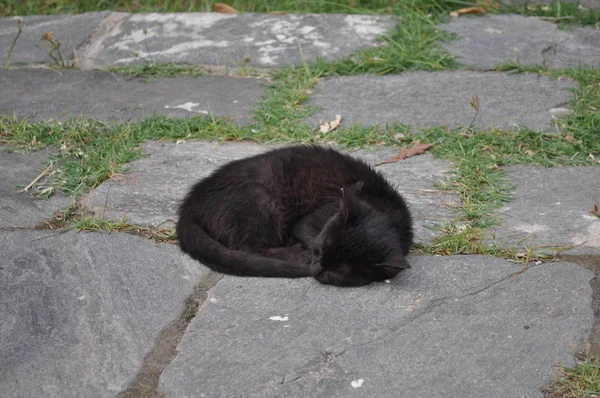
column 357, row 383
column 531, row 228
column 213, row 300
column 80, row 298
column 286, row 326
column 279, row 318
column 493, row 30
column 186, row 277
column 365, row 26
column 188, row 107
column 589, row 217
column 558, row 203
column 592, row 238
column 387, row 281
column 559, row 111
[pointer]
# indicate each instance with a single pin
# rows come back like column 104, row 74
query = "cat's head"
column 361, row 237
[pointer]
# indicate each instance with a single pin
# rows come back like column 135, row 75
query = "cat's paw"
column 316, row 269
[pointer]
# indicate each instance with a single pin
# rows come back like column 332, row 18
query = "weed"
column 12, row 44
column 53, row 50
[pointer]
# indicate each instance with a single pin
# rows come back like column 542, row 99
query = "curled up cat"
column 298, row 211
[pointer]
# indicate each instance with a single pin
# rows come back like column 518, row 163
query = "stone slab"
column 23, row 209
column 424, row 99
column 456, row 326
column 71, row 30
column 259, row 40
column 552, row 207
column 42, row 94
column 79, row 311
column 152, row 192
column 488, row 41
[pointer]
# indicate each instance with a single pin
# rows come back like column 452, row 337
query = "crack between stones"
column 145, row 383
column 436, row 303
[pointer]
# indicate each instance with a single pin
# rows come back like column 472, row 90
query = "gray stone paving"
column 492, row 40
column 42, row 94
column 262, row 40
column 152, row 192
column 80, row 311
column 552, row 208
column 96, row 314
column 449, row 326
column 424, row 99
column 23, row 209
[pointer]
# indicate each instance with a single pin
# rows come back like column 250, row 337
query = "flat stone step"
column 23, row 209
column 153, row 191
column 80, row 311
column 425, row 99
column 488, row 41
column 457, row 326
column 71, row 30
column 259, row 40
column 42, row 94
column 552, row 208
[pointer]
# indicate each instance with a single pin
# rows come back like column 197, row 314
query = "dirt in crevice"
column 145, row 384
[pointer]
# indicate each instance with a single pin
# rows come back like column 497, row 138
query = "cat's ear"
column 330, row 233
column 349, row 205
column 394, row 262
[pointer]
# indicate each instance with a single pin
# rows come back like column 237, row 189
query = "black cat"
column 298, row 211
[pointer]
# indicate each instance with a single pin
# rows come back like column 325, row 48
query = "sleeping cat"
column 294, row 212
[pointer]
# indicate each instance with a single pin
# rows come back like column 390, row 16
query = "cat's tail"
column 196, row 242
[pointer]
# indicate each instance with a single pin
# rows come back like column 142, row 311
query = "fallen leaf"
column 416, row 149
column 467, row 10
column 529, row 152
column 595, row 211
column 326, row 127
column 224, row 8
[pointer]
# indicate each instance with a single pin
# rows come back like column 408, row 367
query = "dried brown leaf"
column 595, row 211
column 326, row 127
column 529, row 152
column 416, row 149
column 467, row 10
column 224, row 8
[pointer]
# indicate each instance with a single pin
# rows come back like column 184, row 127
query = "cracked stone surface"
column 23, row 209
column 492, row 40
column 449, row 326
column 259, row 40
column 71, row 30
column 42, row 94
column 552, row 207
column 151, row 193
column 79, row 311
column 424, row 99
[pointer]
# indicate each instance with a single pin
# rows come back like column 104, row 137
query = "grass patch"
column 75, row 218
column 579, row 381
column 151, row 70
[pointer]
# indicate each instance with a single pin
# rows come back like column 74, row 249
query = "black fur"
column 297, row 211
